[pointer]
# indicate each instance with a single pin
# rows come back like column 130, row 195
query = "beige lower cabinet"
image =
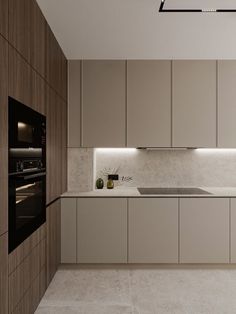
column 204, row 230
column 233, row 230
column 153, row 230
column 68, row 230
column 102, row 230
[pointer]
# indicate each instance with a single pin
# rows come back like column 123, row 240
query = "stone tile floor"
column 141, row 290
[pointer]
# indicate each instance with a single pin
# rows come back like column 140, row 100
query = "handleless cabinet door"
column 233, row 230
column 101, row 230
column 3, row 135
column 74, row 106
column 153, row 230
column 204, row 230
column 68, row 230
column 53, row 239
column 4, row 18
column 194, row 104
column 4, row 274
column 149, row 103
column 103, row 104
column 226, row 103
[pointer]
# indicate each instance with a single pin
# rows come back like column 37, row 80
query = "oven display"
column 25, row 132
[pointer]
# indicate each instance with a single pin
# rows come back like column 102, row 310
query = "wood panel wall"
column 33, row 70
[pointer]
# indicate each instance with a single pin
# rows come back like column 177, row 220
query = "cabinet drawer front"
column 153, row 230
column 204, row 230
column 101, row 230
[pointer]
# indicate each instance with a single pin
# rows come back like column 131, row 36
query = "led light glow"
column 215, row 150
column 116, row 150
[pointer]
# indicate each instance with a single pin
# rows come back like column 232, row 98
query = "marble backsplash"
column 196, row 167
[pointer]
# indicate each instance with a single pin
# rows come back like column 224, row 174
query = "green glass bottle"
column 110, row 184
column 99, row 183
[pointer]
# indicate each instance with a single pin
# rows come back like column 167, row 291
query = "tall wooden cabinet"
column 103, row 104
column 194, row 103
column 4, row 18
column 74, row 103
column 149, row 103
column 4, row 274
column 53, row 239
column 3, row 135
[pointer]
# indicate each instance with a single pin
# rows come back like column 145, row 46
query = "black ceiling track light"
column 163, row 9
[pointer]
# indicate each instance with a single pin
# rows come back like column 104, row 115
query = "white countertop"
column 133, row 192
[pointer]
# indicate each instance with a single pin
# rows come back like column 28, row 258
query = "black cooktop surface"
column 172, row 191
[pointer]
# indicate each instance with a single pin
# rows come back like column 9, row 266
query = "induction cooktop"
column 172, row 191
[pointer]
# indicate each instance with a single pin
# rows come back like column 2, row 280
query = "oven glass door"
column 27, row 206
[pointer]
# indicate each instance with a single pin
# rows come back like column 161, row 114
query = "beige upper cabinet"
column 194, row 103
column 74, row 108
column 104, row 104
column 204, row 230
column 226, row 103
column 153, row 230
column 149, row 103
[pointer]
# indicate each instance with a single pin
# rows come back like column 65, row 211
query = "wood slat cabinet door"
column 56, row 158
column 3, row 136
column 52, row 184
column 20, row 78
column 204, row 230
column 64, row 127
column 4, row 274
column 101, row 230
column 226, row 103
column 20, row 18
column 153, row 230
column 194, row 103
column 149, row 103
column 38, row 40
column 74, row 103
column 4, row 18
column 53, row 239
column 103, row 104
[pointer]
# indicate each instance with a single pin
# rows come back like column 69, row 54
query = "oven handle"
column 32, row 176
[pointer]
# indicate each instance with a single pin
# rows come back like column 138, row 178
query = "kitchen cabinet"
column 204, row 230
column 226, row 103
column 4, row 18
column 4, row 273
column 3, row 135
column 38, row 93
column 104, row 103
column 20, row 15
column 101, row 230
column 20, row 78
column 149, row 103
column 53, row 239
column 233, row 230
column 194, row 103
column 74, row 103
column 153, row 230
column 56, row 145
column 38, row 40
column 68, row 230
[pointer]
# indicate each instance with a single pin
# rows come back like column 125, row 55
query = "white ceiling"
column 133, row 29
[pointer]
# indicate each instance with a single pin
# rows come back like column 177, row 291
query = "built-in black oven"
column 27, row 172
